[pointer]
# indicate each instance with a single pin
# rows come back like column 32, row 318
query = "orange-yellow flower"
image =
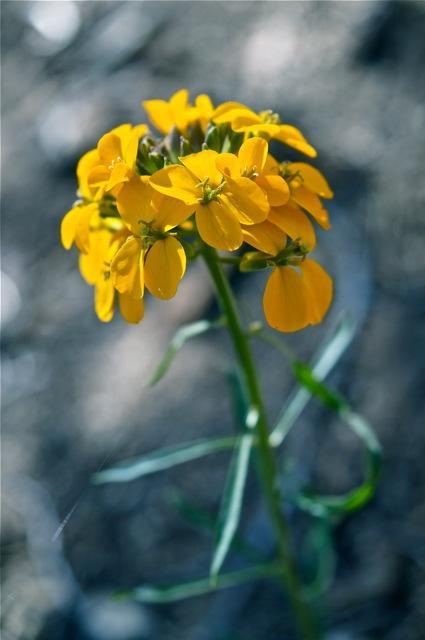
column 243, row 119
column 178, row 112
column 150, row 256
column 253, row 161
column 296, row 297
column 95, row 269
column 117, row 154
column 298, row 292
column 221, row 205
column 75, row 224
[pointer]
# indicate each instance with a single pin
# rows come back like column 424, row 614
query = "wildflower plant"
column 201, row 183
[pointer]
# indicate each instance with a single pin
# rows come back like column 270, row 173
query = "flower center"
column 269, row 117
column 210, row 193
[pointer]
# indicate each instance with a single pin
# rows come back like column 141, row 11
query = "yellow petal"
column 203, row 165
column 164, row 267
column 175, row 181
column 68, row 227
column 132, row 144
column 271, row 166
column 82, row 228
column 265, row 236
column 319, row 288
column 204, row 108
column 85, row 165
column 203, row 103
column 284, row 301
column 169, row 212
column 240, row 124
column 228, row 164
column 295, row 223
column 249, row 202
column 98, row 176
column 120, row 173
column 125, row 267
column 134, row 202
column 160, row 115
column 94, row 263
column 311, row 203
column 293, row 137
column 240, row 116
column 75, row 227
column 104, row 295
column 312, row 179
column 226, row 107
column 179, row 100
column 132, row 309
column 253, row 155
column 218, row 227
column 109, row 148
column 276, row 189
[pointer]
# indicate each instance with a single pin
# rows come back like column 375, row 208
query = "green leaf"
column 177, row 342
column 231, row 504
column 306, row 377
column 323, row 362
column 163, row 459
column 164, row 594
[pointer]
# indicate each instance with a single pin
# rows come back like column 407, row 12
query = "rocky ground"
column 350, row 74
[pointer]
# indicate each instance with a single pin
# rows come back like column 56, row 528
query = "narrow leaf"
column 163, row 459
column 231, row 503
column 177, row 342
column 164, row 594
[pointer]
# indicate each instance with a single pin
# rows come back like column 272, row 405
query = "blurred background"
column 350, row 75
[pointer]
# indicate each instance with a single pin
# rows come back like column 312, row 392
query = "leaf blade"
column 163, row 459
column 185, row 333
column 164, row 594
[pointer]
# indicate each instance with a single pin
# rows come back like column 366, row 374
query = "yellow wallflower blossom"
column 307, row 186
column 117, row 153
column 141, row 207
column 178, row 112
column 150, row 256
column 221, row 205
column 76, row 222
column 252, row 162
column 299, row 291
column 243, row 119
column 95, row 269
column 296, row 297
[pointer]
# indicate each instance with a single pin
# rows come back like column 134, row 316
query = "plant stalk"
column 268, row 471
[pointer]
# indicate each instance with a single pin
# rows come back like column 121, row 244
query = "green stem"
column 268, row 469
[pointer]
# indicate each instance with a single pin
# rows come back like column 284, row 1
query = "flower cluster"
column 148, row 203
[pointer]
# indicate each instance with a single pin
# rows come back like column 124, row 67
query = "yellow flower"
column 307, row 186
column 298, row 292
column 117, row 154
column 95, row 269
column 75, row 224
column 296, row 297
column 178, row 112
column 150, row 256
column 253, row 162
column 221, row 205
column 243, row 119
